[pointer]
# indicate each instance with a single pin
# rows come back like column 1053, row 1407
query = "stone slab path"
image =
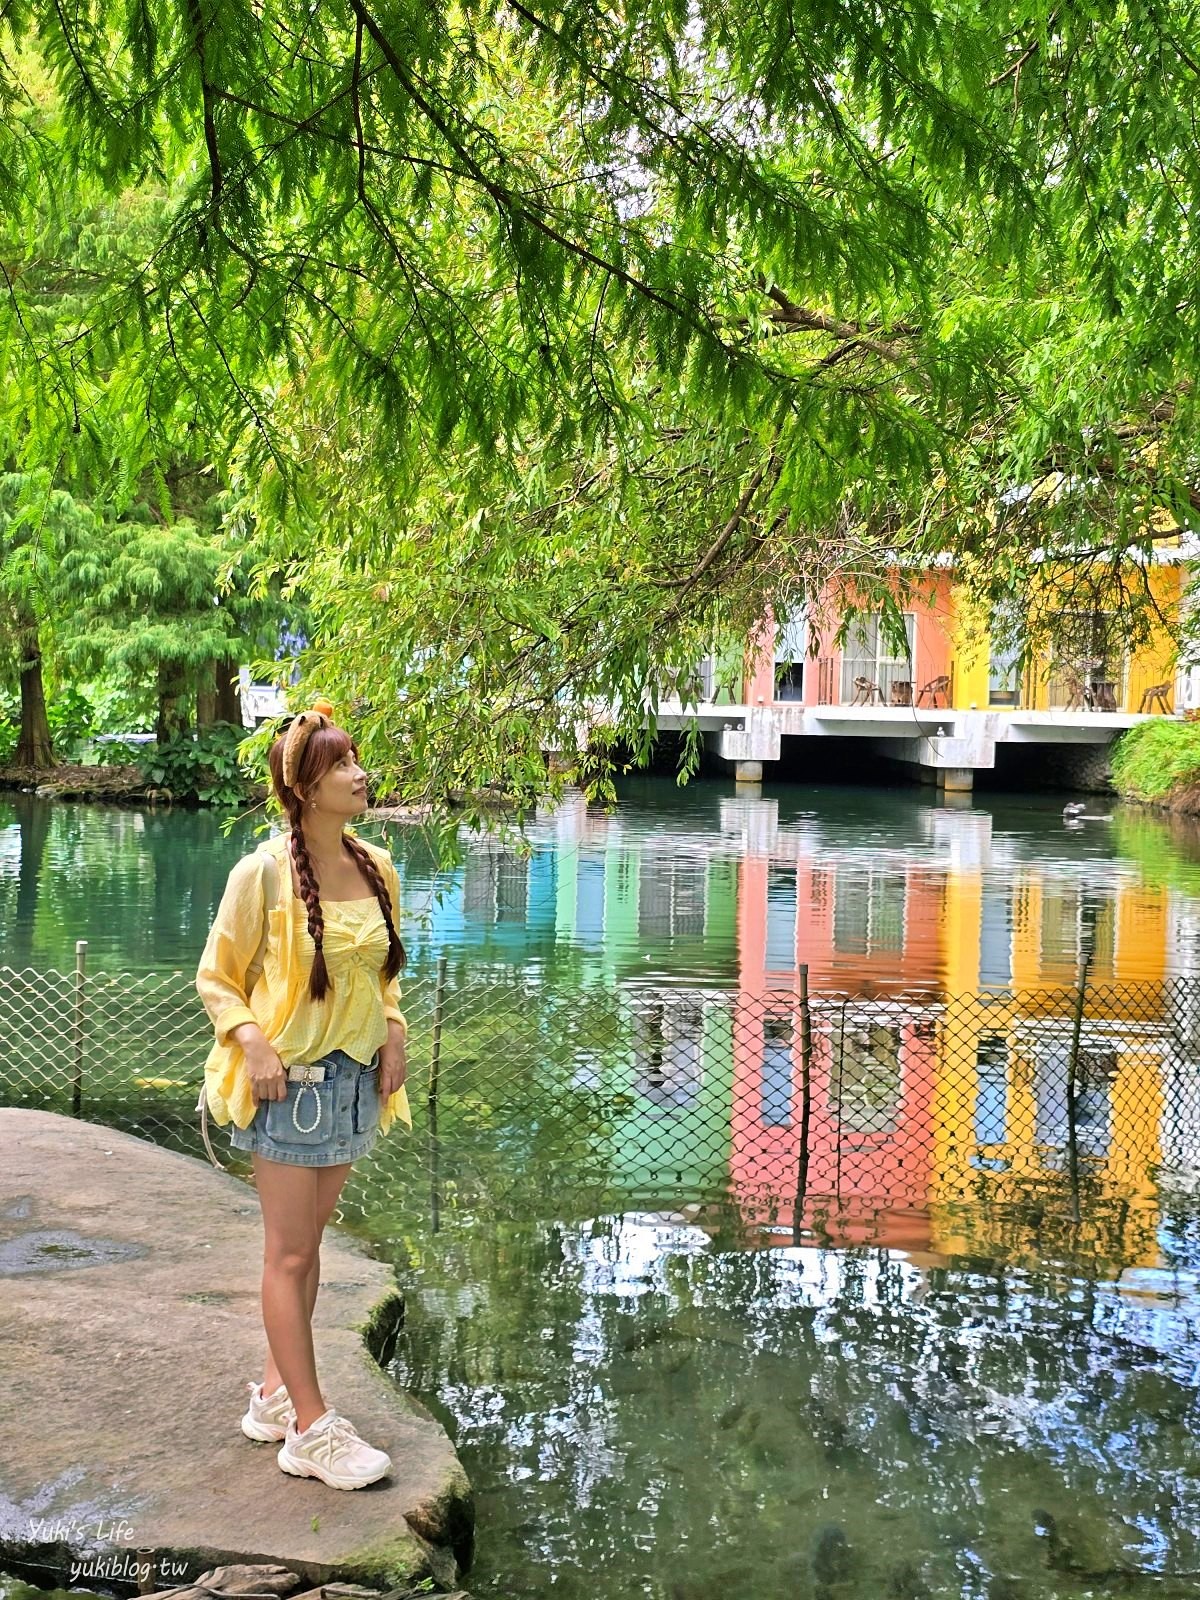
column 130, row 1324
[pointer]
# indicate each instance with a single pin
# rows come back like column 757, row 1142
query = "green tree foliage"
column 148, row 612
column 125, row 573
column 157, row 608
column 583, row 334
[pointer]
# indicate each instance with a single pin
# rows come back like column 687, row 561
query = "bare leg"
column 272, row 1377
column 329, row 1184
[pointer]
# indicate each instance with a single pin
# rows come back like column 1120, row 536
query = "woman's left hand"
column 393, row 1063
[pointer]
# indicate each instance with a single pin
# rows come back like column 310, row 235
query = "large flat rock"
column 130, row 1323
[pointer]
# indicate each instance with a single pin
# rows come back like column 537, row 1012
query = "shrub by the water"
column 1157, row 760
column 199, row 767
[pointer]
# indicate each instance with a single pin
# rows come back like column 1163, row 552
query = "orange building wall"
column 932, row 605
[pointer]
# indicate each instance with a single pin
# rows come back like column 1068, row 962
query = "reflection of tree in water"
column 141, row 886
column 33, row 829
column 649, row 1415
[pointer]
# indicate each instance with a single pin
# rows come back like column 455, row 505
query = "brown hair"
column 324, row 748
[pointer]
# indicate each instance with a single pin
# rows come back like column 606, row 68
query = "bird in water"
column 1076, row 814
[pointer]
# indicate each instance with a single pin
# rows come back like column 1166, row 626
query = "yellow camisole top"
column 350, row 1018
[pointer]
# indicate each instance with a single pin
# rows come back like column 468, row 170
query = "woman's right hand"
column 268, row 1077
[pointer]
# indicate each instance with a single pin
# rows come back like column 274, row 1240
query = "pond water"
column 659, row 1389
column 647, row 1407
column 698, row 885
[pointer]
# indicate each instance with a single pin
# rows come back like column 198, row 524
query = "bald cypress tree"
column 730, row 297
column 481, row 215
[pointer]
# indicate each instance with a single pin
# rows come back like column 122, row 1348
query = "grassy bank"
column 1158, row 763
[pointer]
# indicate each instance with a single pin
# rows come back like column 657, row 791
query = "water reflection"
column 639, row 974
column 908, row 1304
column 877, row 888
column 649, row 1411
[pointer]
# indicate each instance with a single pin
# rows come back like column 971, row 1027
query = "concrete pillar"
column 956, row 780
column 747, row 771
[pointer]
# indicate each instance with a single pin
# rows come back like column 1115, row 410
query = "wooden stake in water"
column 1072, row 1071
column 805, row 1104
column 77, row 1028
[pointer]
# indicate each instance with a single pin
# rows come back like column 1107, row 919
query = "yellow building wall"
column 1155, row 662
column 1008, row 1198
column 1151, row 663
column 970, row 652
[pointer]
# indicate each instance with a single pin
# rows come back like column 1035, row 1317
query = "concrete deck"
column 950, row 744
column 130, row 1323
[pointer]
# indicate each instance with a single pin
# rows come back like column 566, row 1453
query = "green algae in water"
column 644, row 1414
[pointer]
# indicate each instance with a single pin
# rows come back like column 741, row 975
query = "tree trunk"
column 34, row 748
column 174, row 697
column 33, row 820
column 206, row 707
column 229, row 693
column 220, row 699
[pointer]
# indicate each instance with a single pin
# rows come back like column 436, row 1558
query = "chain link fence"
column 1078, row 1104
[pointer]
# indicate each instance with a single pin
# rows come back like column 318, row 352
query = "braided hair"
column 324, row 748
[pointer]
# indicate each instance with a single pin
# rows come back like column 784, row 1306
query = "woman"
column 317, row 909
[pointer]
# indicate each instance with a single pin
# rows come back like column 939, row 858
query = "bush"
column 113, row 753
column 75, row 715
column 119, row 708
column 72, row 719
column 1156, row 758
column 201, row 767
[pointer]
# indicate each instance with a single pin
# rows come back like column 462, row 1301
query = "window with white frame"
column 872, row 655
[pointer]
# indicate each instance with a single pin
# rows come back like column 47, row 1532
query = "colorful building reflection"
column 954, row 1098
column 942, row 1089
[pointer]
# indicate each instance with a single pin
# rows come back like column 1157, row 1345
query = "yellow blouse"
column 354, row 1014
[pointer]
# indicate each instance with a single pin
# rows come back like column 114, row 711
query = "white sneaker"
column 330, row 1449
column 268, row 1415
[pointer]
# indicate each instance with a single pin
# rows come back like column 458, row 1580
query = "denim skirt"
column 319, row 1124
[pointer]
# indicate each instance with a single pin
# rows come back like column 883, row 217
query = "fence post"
column 1072, row 1069
column 435, row 1064
column 439, row 1002
column 77, row 1028
column 805, row 1103
column 146, row 1570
